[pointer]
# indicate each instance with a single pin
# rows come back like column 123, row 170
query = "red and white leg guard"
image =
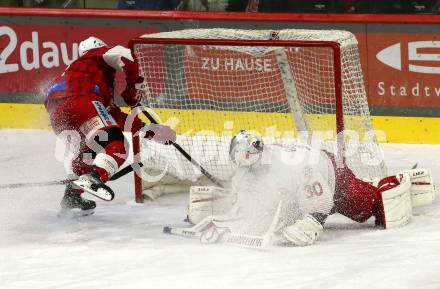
column 201, row 202
column 395, row 210
column 105, row 165
column 423, row 189
column 105, row 138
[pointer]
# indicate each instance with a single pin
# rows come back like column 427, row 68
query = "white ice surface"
column 122, row 245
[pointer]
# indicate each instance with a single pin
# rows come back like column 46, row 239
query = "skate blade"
column 75, row 213
column 101, row 193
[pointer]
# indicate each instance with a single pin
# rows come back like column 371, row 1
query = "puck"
column 167, row 230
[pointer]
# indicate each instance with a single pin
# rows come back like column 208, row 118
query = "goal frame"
column 337, row 65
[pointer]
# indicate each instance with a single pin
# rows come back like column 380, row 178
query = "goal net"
column 287, row 86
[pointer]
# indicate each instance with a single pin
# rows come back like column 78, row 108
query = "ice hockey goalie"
column 310, row 187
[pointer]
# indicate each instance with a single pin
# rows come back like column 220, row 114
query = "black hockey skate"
column 92, row 184
column 75, row 205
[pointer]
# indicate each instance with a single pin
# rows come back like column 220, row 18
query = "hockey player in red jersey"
column 311, row 187
column 82, row 100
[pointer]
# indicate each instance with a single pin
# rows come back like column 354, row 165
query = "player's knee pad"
column 112, row 153
column 396, row 207
column 112, row 142
column 106, row 136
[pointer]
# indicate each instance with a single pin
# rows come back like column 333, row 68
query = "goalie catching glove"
column 303, row 232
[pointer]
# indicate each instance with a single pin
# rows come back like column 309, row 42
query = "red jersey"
column 93, row 75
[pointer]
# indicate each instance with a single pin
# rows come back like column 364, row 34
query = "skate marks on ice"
column 118, row 222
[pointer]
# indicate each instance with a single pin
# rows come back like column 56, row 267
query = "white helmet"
column 89, row 44
column 245, row 149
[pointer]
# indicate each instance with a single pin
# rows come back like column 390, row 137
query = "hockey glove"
column 121, row 119
column 303, row 232
column 130, row 94
column 160, row 133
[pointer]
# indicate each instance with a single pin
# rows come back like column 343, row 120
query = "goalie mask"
column 245, row 149
column 89, row 44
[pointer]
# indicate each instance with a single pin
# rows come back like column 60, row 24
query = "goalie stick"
column 223, row 235
column 241, row 240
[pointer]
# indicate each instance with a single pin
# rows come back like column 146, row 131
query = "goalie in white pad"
column 422, row 188
column 311, row 189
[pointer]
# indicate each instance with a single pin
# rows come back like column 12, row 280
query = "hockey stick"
column 185, row 154
column 241, row 240
column 116, row 176
column 222, row 235
column 128, row 169
column 34, row 184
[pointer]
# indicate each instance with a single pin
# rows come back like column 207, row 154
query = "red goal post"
column 307, row 75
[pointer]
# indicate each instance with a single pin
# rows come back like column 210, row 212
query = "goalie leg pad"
column 208, row 201
column 423, row 189
column 396, row 210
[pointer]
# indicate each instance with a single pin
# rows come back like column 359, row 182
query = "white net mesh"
column 207, row 93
